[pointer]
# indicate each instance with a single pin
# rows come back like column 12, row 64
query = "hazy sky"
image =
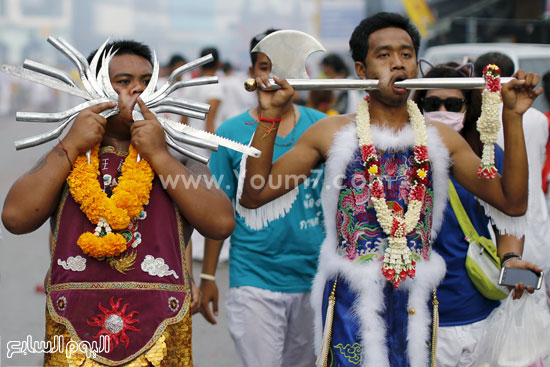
column 169, row 26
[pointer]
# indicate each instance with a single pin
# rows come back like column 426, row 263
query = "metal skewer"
column 48, row 70
column 97, row 89
column 371, row 84
column 179, row 111
column 183, row 103
column 186, row 152
column 160, row 93
column 45, row 80
column 56, row 117
column 181, row 84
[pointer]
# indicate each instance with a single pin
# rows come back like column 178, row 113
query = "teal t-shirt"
column 281, row 257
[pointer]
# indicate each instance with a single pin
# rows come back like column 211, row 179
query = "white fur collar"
column 366, row 278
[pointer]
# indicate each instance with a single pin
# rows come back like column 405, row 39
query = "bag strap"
column 463, row 220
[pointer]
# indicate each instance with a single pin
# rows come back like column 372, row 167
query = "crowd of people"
column 350, row 252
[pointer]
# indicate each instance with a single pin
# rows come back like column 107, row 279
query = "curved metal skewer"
column 173, row 76
column 192, row 65
column 67, row 52
column 185, row 83
column 56, row 117
column 41, row 138
column 45, row 80
column 154, row 79
column 188, row 139
column 182, row 103
column 97, row 89
column 186, row 152
column 55, row 133
column 95, row 59
column 49, row 70
column 179, row 111
column 84, row 66
column 104, row 74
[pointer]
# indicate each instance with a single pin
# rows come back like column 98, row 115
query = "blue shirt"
column 281, row 257
column 460, row 303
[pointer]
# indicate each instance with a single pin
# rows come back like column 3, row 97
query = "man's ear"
column 251, row 71
column 361, row 70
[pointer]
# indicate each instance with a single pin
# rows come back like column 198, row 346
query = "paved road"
column 24, row 261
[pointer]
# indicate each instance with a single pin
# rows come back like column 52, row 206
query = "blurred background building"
column 522, row 21
column 187, row 25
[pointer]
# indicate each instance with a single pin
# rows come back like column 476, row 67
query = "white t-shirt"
column 235, row 98
column 203, row 94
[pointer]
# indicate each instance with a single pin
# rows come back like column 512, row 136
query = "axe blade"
column 288, row 51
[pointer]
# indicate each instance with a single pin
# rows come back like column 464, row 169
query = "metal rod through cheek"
column 371, row 84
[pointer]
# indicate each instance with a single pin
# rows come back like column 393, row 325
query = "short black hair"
column 504, row 62
column 255, row 40
column 448, row 70
column 176, row 59
column 334, row 61
column 227, row 67
column 124, row 47
column 216, row 57
column 359, row 41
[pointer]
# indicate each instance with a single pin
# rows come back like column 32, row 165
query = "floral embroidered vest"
column 130, row 298
column 360, row 236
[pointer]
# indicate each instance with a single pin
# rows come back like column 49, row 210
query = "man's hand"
column 210, row 294
column 195, row 298
column 148, row 134
column 273, row 103
column 518, row 95
column 521, row 264
column 88, row 129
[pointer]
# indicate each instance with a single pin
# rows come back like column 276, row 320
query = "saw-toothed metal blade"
column 48, row 81
column 224, row 142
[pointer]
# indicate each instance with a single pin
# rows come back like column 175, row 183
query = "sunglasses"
column 452, row 104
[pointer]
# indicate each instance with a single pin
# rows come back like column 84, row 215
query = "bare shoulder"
column 449, row 136
column 321, row 134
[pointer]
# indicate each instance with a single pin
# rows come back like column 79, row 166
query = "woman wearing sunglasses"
column 462, row 308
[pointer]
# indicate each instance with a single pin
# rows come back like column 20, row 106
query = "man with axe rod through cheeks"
column 384, row 193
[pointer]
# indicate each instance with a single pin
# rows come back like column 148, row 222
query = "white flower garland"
column 397, row 263
column 488, row 123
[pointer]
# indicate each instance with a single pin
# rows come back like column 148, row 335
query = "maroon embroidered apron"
column 131, row 298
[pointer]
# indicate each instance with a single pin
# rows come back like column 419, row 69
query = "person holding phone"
column 383, row 199
column 463, row 310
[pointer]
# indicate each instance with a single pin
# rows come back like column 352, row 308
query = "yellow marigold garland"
column 127, row 201
column 112, row 244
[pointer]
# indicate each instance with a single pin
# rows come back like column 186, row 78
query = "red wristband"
column 273, row 122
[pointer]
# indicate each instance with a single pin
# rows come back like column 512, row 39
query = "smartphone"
column 513, row 276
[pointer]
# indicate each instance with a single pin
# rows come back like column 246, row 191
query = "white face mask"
column 453, row 119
